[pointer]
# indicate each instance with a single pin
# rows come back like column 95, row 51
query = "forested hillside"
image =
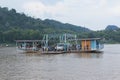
column 112, row 27
column 15, row 25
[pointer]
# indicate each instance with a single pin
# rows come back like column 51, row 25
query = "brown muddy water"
column 73, row 66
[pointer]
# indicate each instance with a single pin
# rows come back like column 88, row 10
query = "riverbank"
column 7, row 44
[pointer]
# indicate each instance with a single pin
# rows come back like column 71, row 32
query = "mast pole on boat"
column 46, row 41
column 65, row 38
column 76, row 39
column 33, row 45
column 60, row 39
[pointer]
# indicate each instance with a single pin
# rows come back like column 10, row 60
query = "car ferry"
column 64, row 43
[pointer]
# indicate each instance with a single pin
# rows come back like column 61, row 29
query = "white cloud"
column 38, row 9
column 116, row 10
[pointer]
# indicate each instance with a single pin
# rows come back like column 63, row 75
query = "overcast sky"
column 93, row 14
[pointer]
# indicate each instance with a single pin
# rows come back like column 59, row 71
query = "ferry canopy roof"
column 28, row 40
column 90, row 39
column 85, row 39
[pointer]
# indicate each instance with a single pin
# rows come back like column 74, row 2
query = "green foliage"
column 15, row 26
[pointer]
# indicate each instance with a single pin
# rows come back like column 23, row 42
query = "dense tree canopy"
column 15, row 25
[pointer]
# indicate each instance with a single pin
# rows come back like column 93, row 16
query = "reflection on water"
column 79, row 55
column 89, row 55
column 72, row 66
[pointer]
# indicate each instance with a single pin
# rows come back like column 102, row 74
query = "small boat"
column 28, row 45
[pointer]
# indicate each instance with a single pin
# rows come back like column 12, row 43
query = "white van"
column 59, row 47
column 62, row 46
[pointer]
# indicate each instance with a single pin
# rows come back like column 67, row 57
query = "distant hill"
column 11, row 19
column 112, row 27
column 15, row 26
column 65, row 26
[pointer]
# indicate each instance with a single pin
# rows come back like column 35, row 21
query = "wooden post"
column 85, row 44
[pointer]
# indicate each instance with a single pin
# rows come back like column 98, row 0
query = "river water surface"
column 73, row 66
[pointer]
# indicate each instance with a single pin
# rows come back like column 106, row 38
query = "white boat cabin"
column 28, row 45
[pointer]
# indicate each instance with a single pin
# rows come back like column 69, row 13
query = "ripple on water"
column 82, row 66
